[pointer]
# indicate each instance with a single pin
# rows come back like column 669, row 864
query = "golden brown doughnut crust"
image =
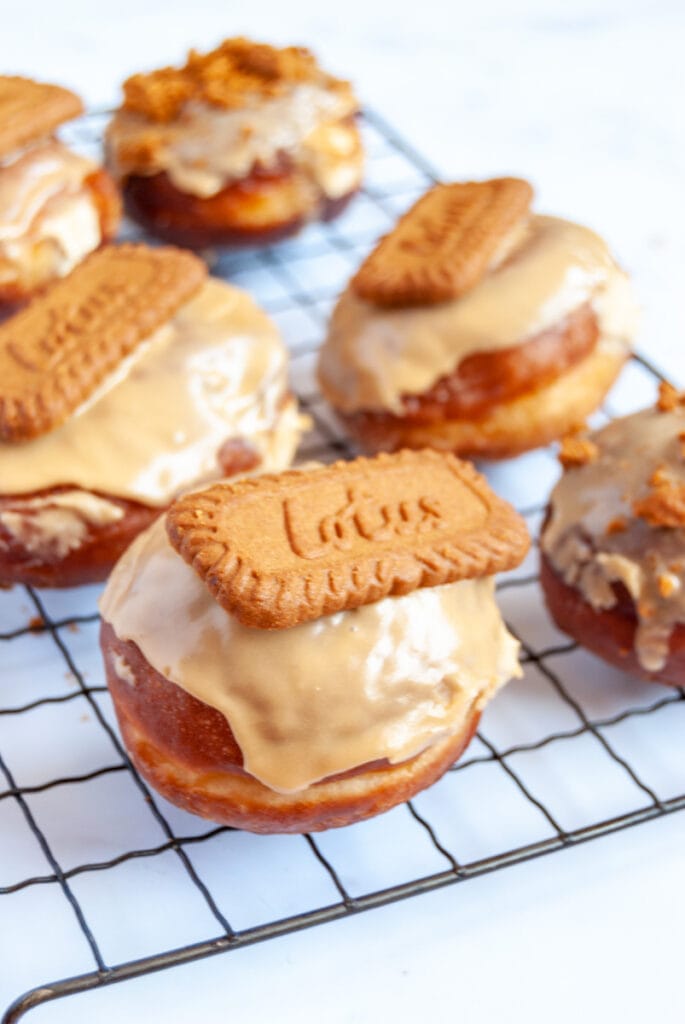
column 608, row 633
column 104, row 543
column 187, row 752
column 105, row 195
column 530, row 419
column 264, row 207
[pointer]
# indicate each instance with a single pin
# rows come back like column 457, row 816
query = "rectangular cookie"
column 56, row 351
column 31, row 110
column 276, row 551
column 444, row 244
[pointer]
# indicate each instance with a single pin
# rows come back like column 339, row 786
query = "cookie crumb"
column 668, row 584
column 669, row 397
column 233, row 74
column 664, row 506
column 659, row 477
column 577, row 451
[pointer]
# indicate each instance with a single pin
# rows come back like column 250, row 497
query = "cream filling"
column 45, row 212
column 217, row 371
column 60, row 239
column 373, row 356
column 59, row 523
column 205, row 147
column 383, row 681
column 587, row 551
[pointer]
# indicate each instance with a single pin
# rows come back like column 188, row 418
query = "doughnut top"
column 236, row 70
column 279, row 550
column 242, row 109
column 618, row 516
column 31, row 110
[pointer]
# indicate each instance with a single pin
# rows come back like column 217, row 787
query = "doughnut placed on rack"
column 613, row 546
column 477, row 327
column 303, row 650
column 122, row 385
column 244, row 144
column 55, row 206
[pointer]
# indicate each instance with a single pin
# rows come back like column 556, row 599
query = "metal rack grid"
column 508, row 800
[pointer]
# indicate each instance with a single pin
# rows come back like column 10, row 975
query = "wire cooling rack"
column 101, row 880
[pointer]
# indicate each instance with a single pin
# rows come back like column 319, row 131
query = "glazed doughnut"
column 333, row 717
column 187, row 752
column 613, row 546
column 55, row 205
column 244, row 144
column 203, row 395
column 524, row 350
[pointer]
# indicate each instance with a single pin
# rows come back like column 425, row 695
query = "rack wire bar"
column 397, row 174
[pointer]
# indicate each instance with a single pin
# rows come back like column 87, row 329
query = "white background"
column 585, row 99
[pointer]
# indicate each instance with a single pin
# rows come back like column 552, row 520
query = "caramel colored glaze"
column 508, row 427
column 104, row 543
column 186, row 750
column 485, row 379
column 609, row 633
column 264, row 207
column 107, row 201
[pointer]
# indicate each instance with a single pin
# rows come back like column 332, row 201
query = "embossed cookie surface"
column 30, row 110
column 283, row 549
column 56, row 351
column 444, row 244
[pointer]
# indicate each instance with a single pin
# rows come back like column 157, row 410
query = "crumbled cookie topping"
column 237, row 68
column 577, row 451
column 664, row 505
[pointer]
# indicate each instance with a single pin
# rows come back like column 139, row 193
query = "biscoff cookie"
column 379, row 640
column 434, row 521
column 55, row 206
column 54, row 353
column 244, row 144
column 477, row 327
column 613, row 547
column 120, row 386
column 443, row 246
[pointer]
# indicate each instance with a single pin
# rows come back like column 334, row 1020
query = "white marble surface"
column 587, row 102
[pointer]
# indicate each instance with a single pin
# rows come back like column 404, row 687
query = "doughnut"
column 502, row 332
column 203, row 395
column 242, row 145
column 187, row 752
column 314, row 719
column 613, row 545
